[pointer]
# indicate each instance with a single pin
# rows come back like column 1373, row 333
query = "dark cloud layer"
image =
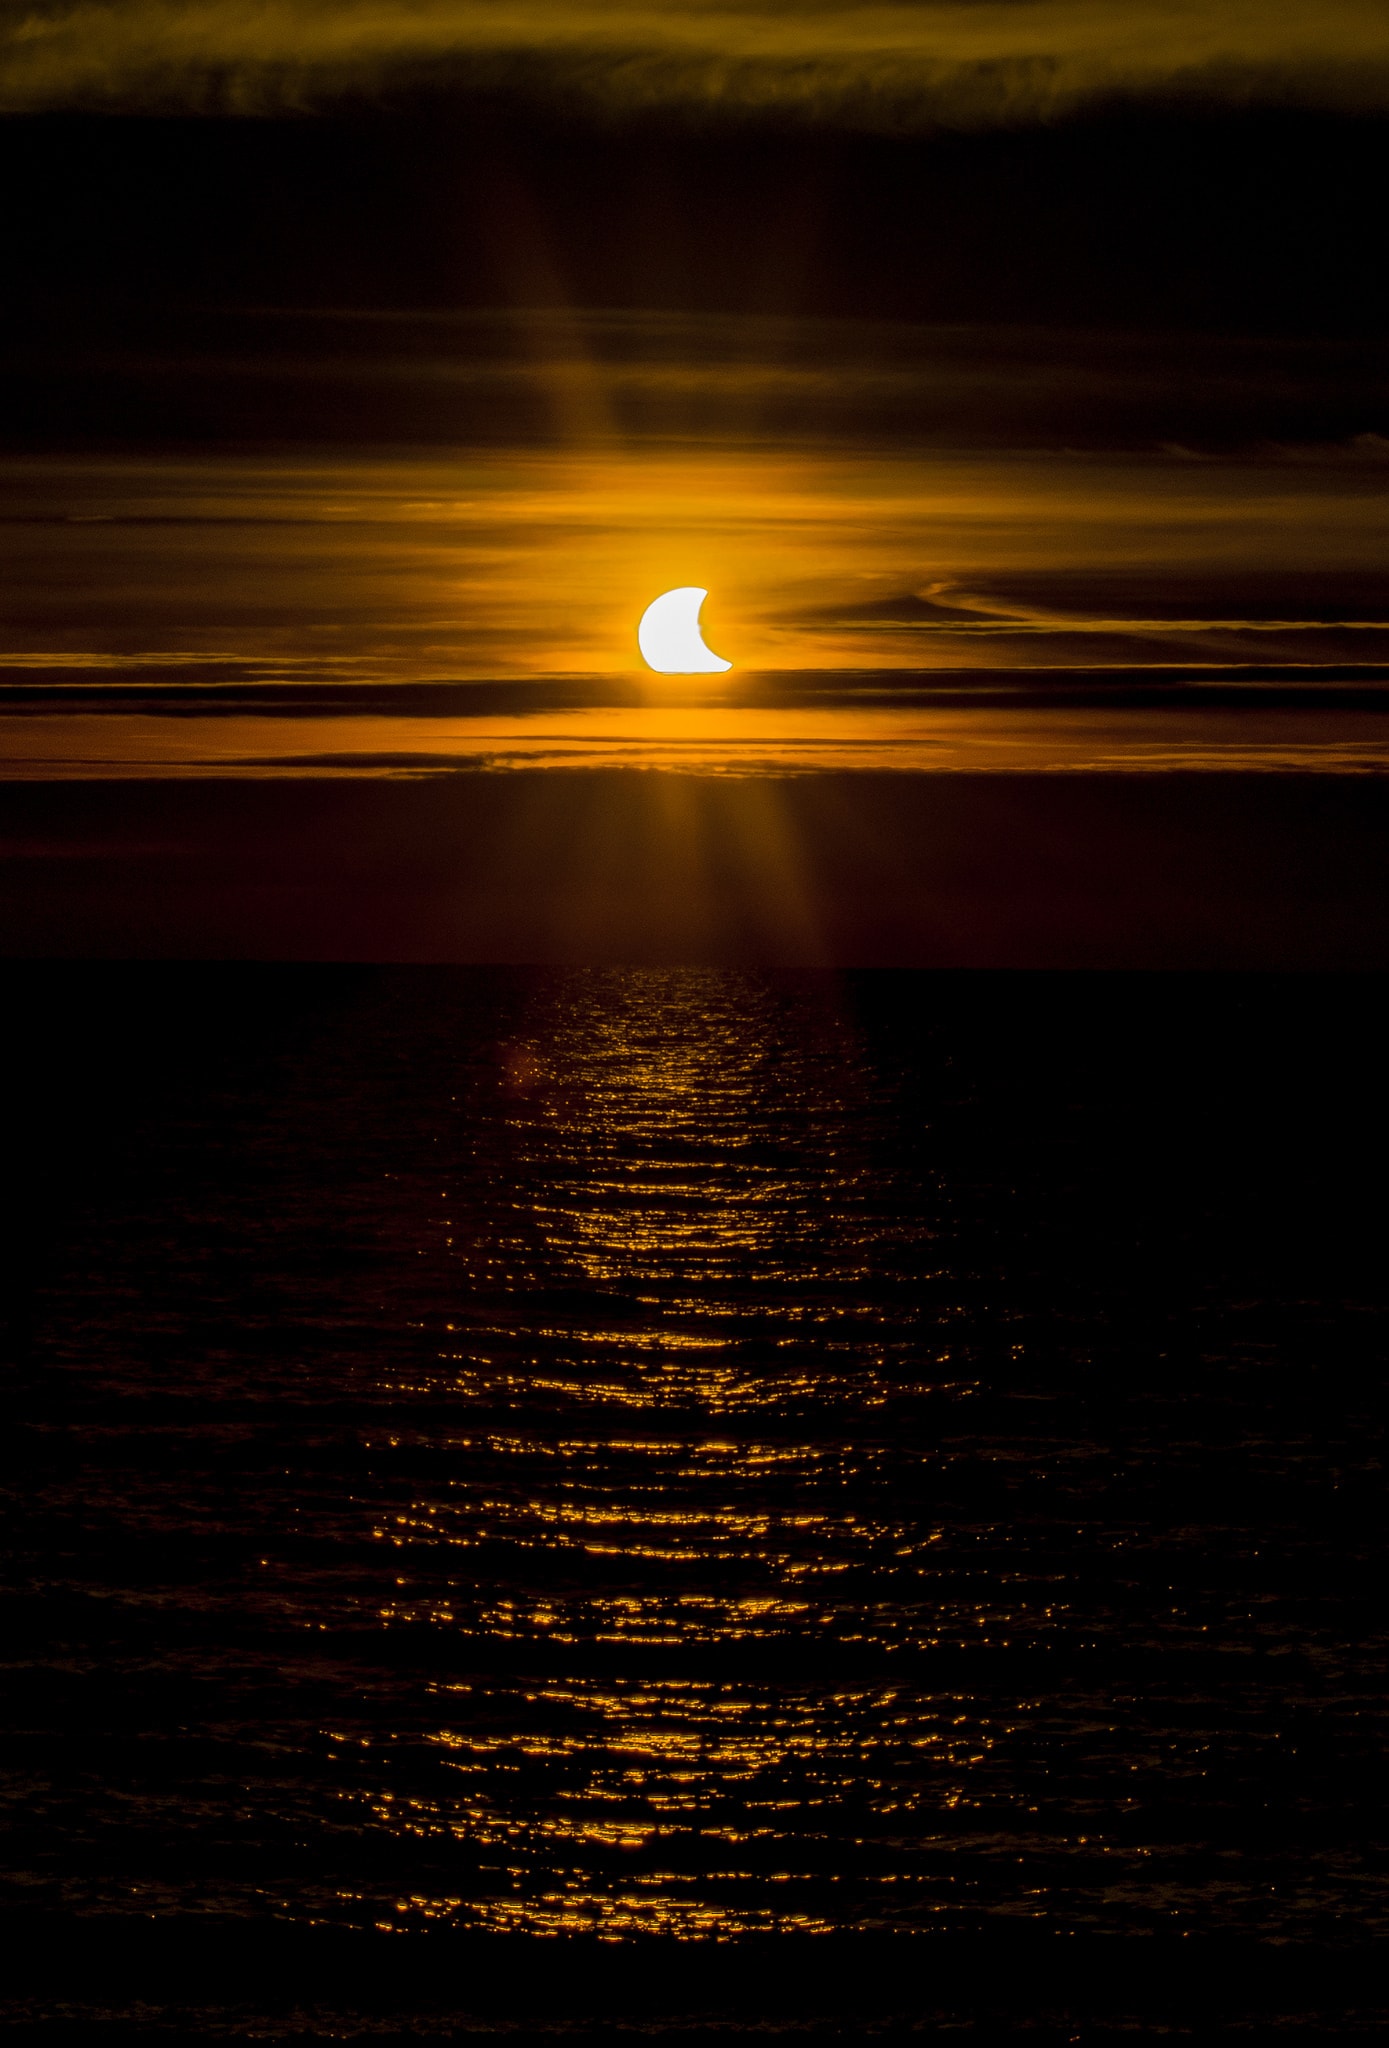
column 566, row 376
column 1156, row 220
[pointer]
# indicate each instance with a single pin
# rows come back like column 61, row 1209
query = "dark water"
column 697, row 1453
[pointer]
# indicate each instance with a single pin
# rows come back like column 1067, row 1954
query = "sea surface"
column 699, row 1454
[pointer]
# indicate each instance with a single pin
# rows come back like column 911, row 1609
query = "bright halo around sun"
column 670, row 639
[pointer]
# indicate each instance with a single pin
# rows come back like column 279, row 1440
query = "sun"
column 669, row 636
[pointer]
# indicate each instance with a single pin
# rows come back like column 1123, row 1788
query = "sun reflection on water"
column 674, row 1319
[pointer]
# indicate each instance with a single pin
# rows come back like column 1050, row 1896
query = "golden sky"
column 905, row 64
column 828, row 571
column 441, row 566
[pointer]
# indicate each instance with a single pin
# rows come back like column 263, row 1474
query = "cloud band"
column 943, row 63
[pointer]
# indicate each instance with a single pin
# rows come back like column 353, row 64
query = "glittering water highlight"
column 701, row 1453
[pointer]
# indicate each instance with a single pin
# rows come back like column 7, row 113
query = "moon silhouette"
column 670, row 639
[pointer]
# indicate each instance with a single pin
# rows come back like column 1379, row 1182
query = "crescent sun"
column 670, row 639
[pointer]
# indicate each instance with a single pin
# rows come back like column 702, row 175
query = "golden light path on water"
column 685, row 1487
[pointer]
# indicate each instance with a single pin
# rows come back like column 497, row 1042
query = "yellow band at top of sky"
column 939, row 61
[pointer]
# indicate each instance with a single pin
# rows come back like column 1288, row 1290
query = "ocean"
column 666, row 1460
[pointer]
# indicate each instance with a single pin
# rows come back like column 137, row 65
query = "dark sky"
column 1255, row 221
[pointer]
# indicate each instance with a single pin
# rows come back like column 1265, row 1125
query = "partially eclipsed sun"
column 670, row 639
